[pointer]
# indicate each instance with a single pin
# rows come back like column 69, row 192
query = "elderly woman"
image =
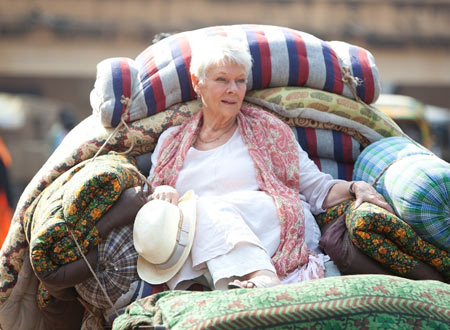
column 256, row 187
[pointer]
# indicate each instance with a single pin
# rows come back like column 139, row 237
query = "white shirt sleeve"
column 314, row 184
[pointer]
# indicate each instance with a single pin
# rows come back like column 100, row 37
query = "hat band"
column 182, row 243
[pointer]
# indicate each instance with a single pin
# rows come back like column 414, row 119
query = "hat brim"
column 154, row 275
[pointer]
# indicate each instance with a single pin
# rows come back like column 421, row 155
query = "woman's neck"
column 215, row 133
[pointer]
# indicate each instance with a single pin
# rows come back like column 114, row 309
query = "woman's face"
column 223, row 89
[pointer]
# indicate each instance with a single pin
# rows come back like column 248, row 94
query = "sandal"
column 261, row 281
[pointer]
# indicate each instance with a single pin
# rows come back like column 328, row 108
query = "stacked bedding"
column 296, row 76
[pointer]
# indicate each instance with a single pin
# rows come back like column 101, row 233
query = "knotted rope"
column 352, row 82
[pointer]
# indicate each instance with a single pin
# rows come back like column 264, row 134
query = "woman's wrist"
column 351, row 189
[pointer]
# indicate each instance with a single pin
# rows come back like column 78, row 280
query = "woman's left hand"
column 166, row 193
column 364, row 192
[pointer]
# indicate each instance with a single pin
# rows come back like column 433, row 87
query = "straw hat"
column 163, row 234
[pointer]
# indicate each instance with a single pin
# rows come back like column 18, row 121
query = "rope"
column 375, row 181
column 94, row 274
column 351, row 82
column 127, row 102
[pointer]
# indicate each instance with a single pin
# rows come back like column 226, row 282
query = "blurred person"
column 6, row 202
column 66, row 121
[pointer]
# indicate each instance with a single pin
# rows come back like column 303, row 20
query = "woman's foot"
column 258, row 279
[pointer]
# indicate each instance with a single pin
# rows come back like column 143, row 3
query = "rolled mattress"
column 414, row 181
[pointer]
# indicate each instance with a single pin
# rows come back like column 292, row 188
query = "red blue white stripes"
column 281, row 57
column 120, row 71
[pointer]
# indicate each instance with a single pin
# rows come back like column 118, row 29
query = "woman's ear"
column 195, row 82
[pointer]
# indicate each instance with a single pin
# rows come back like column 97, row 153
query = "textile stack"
column 323, row 90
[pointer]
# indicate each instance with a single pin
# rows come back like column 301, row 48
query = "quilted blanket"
column 347, row 302
column 71, row 205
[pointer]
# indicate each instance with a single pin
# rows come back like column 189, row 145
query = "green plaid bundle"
column 414, row 181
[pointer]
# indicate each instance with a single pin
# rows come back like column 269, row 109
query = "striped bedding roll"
column 159, row 77
column 281, row 57
column 415, row 182
column 333, row 152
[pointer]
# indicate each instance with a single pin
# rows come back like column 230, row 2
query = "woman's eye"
column 240, row 81
column 220, row 79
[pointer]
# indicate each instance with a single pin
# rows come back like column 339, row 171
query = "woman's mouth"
column 229, row 102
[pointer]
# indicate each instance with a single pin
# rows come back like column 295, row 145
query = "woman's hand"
column 364, row 192
column 166, row 193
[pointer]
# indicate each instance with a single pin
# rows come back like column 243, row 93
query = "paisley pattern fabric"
column 346, row 302
column 387, row 239
column 271, row 145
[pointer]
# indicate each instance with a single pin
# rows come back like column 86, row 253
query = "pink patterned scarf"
column 272, row 146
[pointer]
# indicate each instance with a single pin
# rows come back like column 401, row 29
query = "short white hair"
column 217, row 50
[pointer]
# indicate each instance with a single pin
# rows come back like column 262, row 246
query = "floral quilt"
column 346, row 302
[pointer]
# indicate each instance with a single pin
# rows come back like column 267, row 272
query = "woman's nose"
column 232, row 87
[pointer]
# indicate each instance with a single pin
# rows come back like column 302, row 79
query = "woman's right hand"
column 166, row 193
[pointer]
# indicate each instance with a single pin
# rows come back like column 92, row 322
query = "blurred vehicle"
column 439, row 120
column 409, row 114
column 429, row 125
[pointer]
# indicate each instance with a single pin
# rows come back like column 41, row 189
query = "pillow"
column 324, row 107
column 281, row 57
column 327, row 143
column 334, row 152
column 414, row 181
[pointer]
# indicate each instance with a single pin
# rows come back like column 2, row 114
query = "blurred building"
column 50, row 48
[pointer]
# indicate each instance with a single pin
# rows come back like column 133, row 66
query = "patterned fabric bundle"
column 347, row 302
column 383, row 237
column 71, row 205
column 415, row 182
column 281, row 57
column 116, row 269
column 137, row 290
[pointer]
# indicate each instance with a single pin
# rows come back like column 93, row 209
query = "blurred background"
column 49, row 50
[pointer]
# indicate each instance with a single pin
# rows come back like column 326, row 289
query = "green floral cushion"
column 346, row 302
